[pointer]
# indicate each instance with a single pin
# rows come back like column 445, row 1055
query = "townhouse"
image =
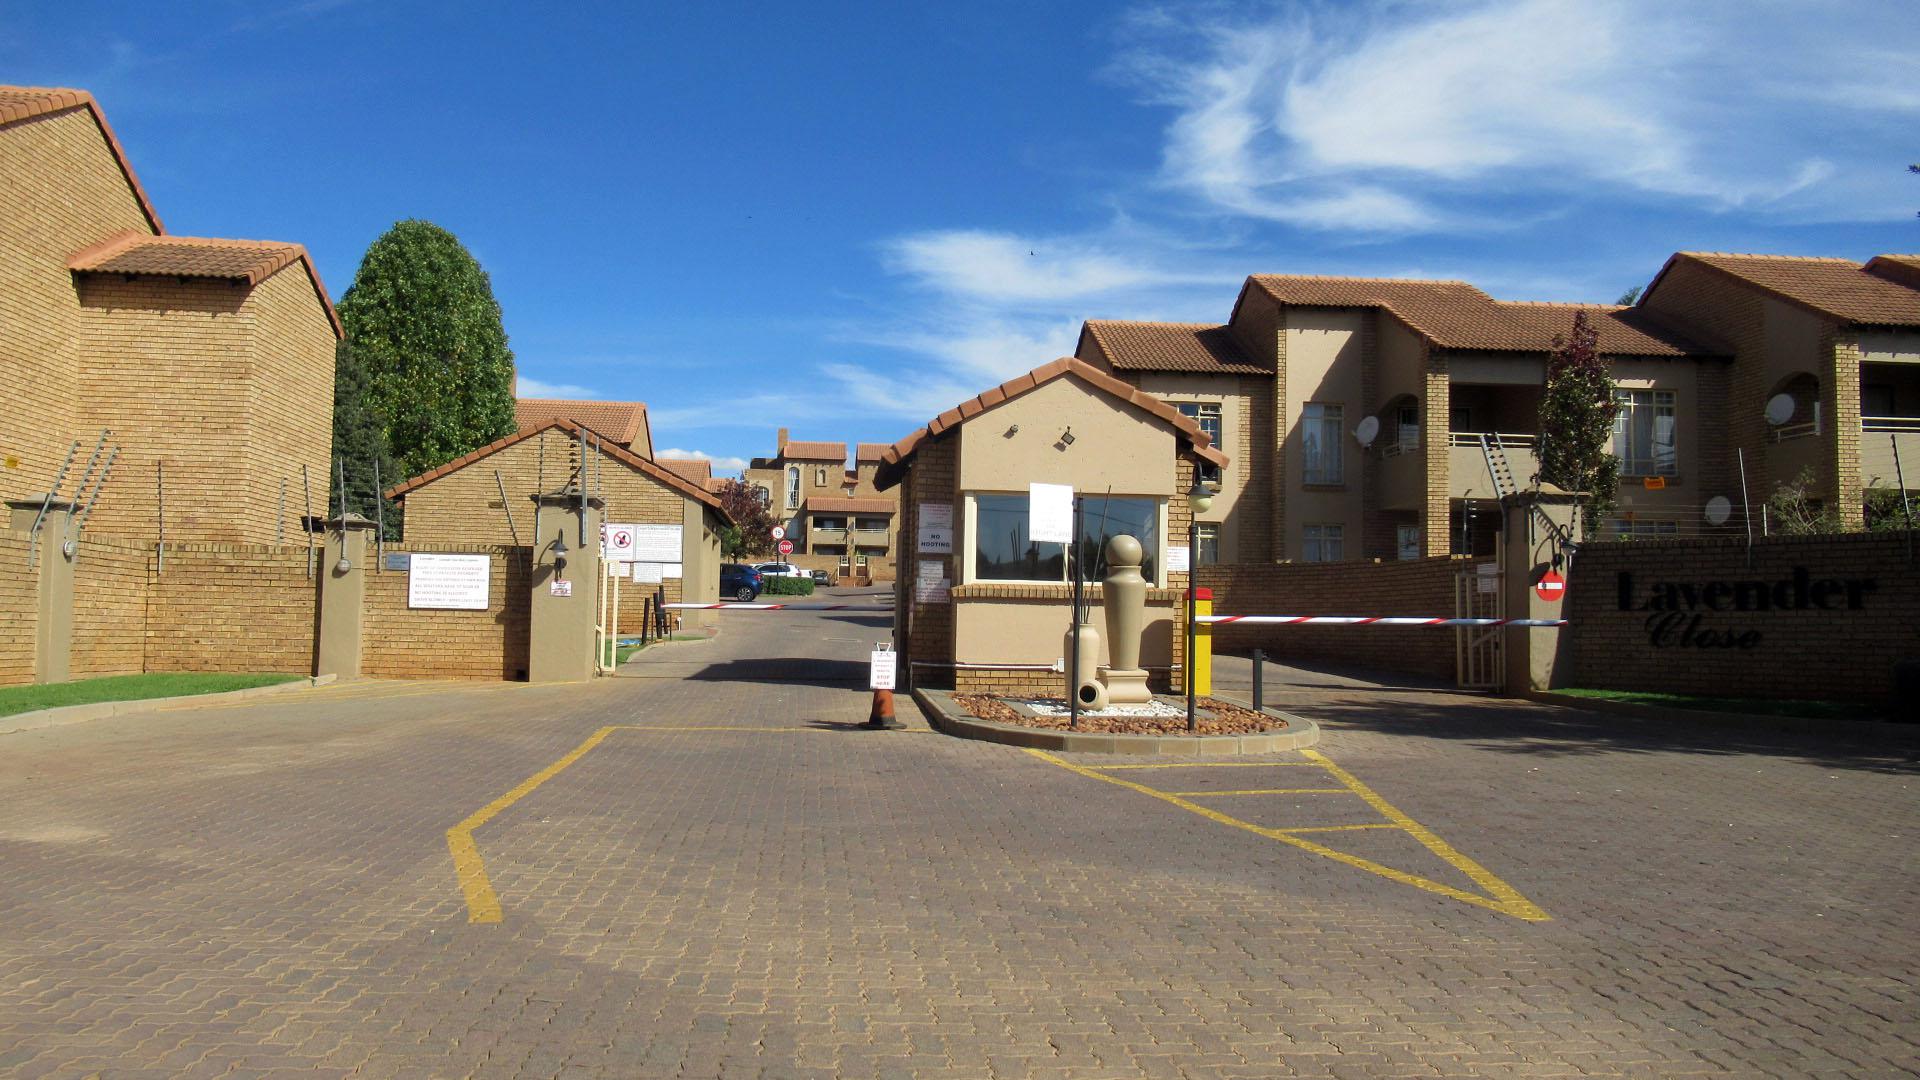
column 836, row 515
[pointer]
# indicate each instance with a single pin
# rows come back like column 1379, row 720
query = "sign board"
column 449, row 582
column 656, row 543
column 560, row 588
column 1551, row 587
column 786, row 547
column 930, row 571
column 649, row 573
column 616, row 542
column 938, row 515
column 1488, row 575
column 1178, row 561
column 935, row 529
column 670, row 570
column 779, row 533
column 882, row 667
column 1050, row 513
column 1654, row 483
column 398, row 562
column 932, row 590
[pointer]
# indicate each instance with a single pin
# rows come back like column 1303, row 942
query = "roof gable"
column 814, row 451
column 621, row 421
column 18, row 103
column 251, row 261
column 1838, row 289
column 1201, row 348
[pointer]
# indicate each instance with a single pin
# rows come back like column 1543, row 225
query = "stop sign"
column 1551, row 586
column 786, row 547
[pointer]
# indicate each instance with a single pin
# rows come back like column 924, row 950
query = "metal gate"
column 1479, row 652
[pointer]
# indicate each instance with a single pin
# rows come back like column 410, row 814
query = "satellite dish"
column 1780, row 408
column 1719, row 509
column 1367, row 431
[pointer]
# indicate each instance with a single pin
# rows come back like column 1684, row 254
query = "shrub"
column 786, row 586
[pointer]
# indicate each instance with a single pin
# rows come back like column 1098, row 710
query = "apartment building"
column 836, row 516
column 1451, row 380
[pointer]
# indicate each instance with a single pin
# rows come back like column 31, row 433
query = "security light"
column 1066, row 439
column 1200, row 499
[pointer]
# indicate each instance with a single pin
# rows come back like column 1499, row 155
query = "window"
column 820, row 476
column 1407, row 538
column 1320, row 438
column 870, row 524
column 793, row 486
column 1002, row 551
column 829, row 523
column 1205, row 414
column 1207, row 553
column 1876, row 399
column 1407, row 423
column 1460, row 418
column 1321, row 543
column 762, row 495
column 1643, row 433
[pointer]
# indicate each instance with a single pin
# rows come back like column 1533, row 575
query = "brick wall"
column 1810, row 652
column 399, row 642
column 290, row 410
column 111, row 585
column 19, row 610
column 1414, row 587
column 928, row 628
column 231, row 607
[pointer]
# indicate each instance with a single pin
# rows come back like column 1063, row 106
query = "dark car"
column 739, row 582
column 822, row 579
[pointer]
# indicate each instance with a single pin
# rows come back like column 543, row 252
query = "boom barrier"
column 734, row 606
column 1365, row 620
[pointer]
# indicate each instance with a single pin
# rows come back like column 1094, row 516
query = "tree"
column 753, row 522
column 422, row 320
column 359, row 438
column 1627, row 298
column 1576, row 420
column 1793, row 511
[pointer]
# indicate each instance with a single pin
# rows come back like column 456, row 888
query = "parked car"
column 821, row 579
column 739, row 582
column 780, row 569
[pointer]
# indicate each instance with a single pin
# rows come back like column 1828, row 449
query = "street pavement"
column 734, row 879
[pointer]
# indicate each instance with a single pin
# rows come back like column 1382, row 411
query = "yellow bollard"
column 1202, row 643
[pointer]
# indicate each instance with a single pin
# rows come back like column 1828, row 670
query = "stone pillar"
column 560, row 639
column 343, row 596
column 53, row 555
column 1123, row 595
column 699, row 562
column 1539, row 524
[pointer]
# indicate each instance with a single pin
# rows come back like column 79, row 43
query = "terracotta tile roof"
column 573, row 428
column 835, row 505
column 698, row 470
column 892, row 461
column 621, row 421
column 18, row 103
column 1904, row 269
column 814, row 451
column 1623, row 331
column 1159, row 346
column 869, row 451
column 1839, row 289
column 251, row 261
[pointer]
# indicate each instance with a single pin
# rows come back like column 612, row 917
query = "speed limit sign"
column 779, row 533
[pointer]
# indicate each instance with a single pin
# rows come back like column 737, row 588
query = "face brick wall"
column 291, row 405
column 231, row 607
column 1801, row 640
column 19, row 610
column 1414, row 587
column 110, row 589
column 399, row 642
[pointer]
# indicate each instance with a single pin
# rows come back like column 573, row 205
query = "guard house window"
column 1320, row 443
column 1003, row 552
column 1321, row 543
column 1643, row 433
column 793, row 486
column 1207, row 552
column 1205, row 414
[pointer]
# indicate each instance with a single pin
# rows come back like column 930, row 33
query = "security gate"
column 1478, row 652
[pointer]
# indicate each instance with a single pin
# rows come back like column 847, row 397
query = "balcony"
column 1879, row 436
column 1468, row 474
column 1402, row 478
column 818, row 535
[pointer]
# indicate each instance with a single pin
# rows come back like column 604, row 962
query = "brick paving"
column 258, row 889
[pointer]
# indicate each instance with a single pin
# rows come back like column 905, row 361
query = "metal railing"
column 1890, row 423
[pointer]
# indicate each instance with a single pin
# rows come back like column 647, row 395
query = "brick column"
column 1532, row 653
column 53, row 557
column 1840, row 399
column 1436, row 447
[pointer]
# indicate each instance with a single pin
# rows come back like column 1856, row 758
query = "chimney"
column 780, row 444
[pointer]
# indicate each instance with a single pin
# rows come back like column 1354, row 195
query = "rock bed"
column 1228, row 718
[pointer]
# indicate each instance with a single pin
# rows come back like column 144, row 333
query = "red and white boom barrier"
column 1364, row 620
column 735, row 606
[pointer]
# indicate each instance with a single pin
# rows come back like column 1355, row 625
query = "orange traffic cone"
column 882, row 714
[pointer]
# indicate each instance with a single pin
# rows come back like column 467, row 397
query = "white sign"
column 1178, row 562
column 882, row 667
column 1050, row 513
column 932, row 590
column 670, row 570
column 1487, row 577
column 449, row 582
column 779, row 533
column 935, row 540
column 616, row 542
column 939, row 515
column 931, row 571
column 656, row 543
column 560, row 588
column 648, row 573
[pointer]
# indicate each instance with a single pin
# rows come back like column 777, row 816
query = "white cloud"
column 528, row 387
column 721, row 463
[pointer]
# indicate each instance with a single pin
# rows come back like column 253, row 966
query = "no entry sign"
column 1550, row 587
column 786, row 547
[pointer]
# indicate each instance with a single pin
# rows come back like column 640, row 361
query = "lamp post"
column 1198, row 501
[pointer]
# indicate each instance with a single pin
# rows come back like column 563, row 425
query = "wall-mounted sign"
column 930, row 570
column 1050, row 513
column 1178, row 561
column 656, row 543
column 398, row 562
column 1677, row 610
column 670, row 570
column 616, row 542
column 560, row 588
column 1551, row 587
column 932, row 591
column 448, row 582
column 935, row 528
column 1487, row 578
column 648, row 573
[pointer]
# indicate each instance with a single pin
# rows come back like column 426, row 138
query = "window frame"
column 1197, row 411
column 1307, row 539
column 1623, row 431
column 1206, row 534
column 1331, row 418
column 793, row 487
column 969, row 557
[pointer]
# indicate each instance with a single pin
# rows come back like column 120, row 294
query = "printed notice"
column 935, row 540
column 939, row 515
column 930, row 570
column 932, row 590
column 882, row 669
column 560, row 588
column 670, row 570
column 616, row 542
column 1178, row 562
column 449, row 582
column 648, row 573
column 1050, row 513
column 656, row 543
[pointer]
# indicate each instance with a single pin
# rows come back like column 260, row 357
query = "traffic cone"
column 882, row 714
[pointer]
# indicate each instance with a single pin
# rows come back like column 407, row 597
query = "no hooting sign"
column 1550, row 587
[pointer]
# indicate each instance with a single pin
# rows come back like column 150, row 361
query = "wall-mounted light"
column 1013, row 429
column 1200, row 499
column 1066, row 438
column 343, row 565
column 560, row 556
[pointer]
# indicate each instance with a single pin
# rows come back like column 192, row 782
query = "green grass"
column 620, row 656
column 1811, row 710
column 19, row 699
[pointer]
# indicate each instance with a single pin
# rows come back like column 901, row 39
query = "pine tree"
column 1576, row 420
column 422, row 321
column 359, row 439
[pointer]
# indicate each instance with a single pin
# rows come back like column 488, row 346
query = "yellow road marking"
column 1335, row 828
column 1505, row 899
column 1211, row 765
column 1264, row 791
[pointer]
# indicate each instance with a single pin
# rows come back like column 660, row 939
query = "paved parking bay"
column 736, row 880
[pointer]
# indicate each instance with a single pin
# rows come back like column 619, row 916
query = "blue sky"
column 842, row 219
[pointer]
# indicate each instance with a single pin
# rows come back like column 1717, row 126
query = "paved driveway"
column 244, row 890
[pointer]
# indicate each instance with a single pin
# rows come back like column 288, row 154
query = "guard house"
column 980, row 607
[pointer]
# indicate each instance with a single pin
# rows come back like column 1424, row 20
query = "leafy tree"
column 1628, row 297
column 422, row 319
column 359, row 438
column 1886, row 511
column 1576, row 420
column 1793, row 511
column 752, row 530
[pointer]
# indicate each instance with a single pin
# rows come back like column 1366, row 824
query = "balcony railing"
column 1806, row 429
column 1890, row 423
column 1889, row 450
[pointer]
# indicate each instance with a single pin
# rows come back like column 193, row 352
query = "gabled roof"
column 1904, row 269
column 621, row 421
column 814, row 451
column 896, row 456
column 618, row 452
column 833, row 504
column 1160, row 346
column 250, row 261
column 1455, row 315
column 19, row 103
column 1838, row 289
column 869, row 451
column 698, row 470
